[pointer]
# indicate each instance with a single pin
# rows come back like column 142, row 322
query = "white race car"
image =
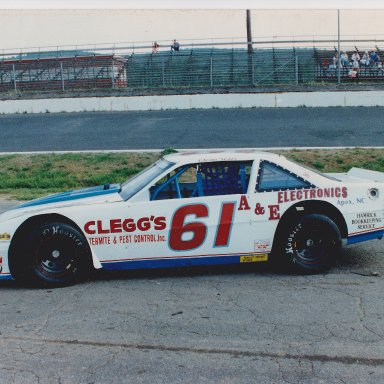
column 194, row 208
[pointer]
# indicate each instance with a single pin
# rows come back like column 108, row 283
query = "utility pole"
column 250, row 48
column 338, row 47
column 249, row 32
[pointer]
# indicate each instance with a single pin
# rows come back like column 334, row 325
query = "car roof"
column 186, row 157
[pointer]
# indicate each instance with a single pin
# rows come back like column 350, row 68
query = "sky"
column 22, row 28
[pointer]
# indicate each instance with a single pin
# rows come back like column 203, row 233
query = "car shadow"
column 190, row 271
column 358, row 259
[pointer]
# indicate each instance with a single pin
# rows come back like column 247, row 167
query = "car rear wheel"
column 310, row 244
column 53, row 254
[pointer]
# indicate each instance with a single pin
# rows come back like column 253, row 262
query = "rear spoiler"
column 366, row 174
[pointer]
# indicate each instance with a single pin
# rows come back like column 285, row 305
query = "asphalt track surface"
column 243, row 324
column 224, row 325
column 213, row 128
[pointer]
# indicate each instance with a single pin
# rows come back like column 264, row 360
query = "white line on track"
column 179, row 149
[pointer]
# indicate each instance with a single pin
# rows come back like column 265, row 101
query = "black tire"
column 309, row 244
column 52, row 254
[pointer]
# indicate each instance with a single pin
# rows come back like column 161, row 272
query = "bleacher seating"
column 327, row 71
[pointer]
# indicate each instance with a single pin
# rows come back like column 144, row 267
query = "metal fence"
column 213, row 68
column 196, row 66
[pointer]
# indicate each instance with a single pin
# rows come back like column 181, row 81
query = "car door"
column 200, row 220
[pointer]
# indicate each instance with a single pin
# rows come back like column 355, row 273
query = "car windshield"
column 137, row 182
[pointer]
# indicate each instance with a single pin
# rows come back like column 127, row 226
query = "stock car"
column 194, row 208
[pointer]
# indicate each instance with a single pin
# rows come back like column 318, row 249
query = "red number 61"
column 198, row 228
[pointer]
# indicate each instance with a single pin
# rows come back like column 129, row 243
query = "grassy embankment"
column 25, row 177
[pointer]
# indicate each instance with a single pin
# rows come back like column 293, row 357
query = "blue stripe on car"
column 6, row 276
column 170, row 262
column 365, row 236
column 73, row 195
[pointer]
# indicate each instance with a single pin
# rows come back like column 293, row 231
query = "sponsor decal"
column 243, row 205
column 315, row 193
column 274, row 212
column 259, row 210
column 367, row 220
column 254, row 258
column 261, row 245
column 126, row 239
column 124, row 226
column 5, row 236
column 359, row 200
column 99, row 227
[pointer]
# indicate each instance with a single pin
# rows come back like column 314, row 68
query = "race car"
column 194, row 208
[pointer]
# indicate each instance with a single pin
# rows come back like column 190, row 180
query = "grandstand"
column 326, row 71
column 62, row 73
column 194, row 66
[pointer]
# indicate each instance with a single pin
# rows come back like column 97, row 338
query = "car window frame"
column 257, row 188
column 192, row 164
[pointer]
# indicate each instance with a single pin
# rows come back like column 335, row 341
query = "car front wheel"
column 53, row 254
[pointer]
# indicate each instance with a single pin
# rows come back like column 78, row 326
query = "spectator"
column 355, row 60
column 365, row 59
column 375, row 59
column 155, row 47
column 335, row 60
column 175, row 46
column 352, row 73
column 344, row 59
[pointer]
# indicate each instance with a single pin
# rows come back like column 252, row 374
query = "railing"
column 84, row 72
column 213, row 68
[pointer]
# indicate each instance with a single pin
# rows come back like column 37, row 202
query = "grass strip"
column 24, row 177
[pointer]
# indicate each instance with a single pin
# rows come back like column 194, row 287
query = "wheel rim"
column 312, row 248
column 55, row 257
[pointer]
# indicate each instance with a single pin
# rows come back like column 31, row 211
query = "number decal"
column 178, row 228
column 199, row 229
column 225, row 225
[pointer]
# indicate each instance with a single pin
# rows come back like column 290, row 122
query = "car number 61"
column 199, row 229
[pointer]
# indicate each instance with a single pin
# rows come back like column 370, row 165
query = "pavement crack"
column 348, row 360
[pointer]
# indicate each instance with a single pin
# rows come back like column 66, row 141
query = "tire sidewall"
column 55, row 231
column 301, row 227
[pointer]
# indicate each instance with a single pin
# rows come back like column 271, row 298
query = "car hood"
column 93, row 195
column 73, row 196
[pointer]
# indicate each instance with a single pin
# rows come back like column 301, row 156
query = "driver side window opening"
column 204, row 179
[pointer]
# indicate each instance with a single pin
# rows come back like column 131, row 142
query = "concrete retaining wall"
column 206, row 101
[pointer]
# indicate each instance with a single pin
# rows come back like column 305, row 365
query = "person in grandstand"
column 375, row 58
column 365, row 59
column 355, row 60
column 175, row 46
column 344, row 59
column 155, row 47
